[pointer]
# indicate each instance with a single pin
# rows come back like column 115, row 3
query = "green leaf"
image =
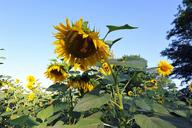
column 91, row 101
column 151, row 122
column 45, row 113
column 180, row 103
column 6, row 113
column 42, row 125
column 60, row 106
column 110, row 43
column 180, row 122
column 159, row 108
column 52, row 118
column 60, row 124
column 182, row 113
column 115, row 28
column 131, row 61
column 23, row 120
column 57, row 87
column 92, row 121
column 67, row 126
column 141, row 103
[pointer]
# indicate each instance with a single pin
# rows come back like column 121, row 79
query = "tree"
column 180, row 49
column 1, row 56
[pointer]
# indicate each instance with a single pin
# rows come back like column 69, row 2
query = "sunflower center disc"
column 164, row 68
column 57, row 73
column 80, row 47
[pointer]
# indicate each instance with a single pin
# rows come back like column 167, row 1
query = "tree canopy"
column 180, row 49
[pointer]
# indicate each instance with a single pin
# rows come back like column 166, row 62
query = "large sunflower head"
column 164, row 68
column 79, row 46
column 56, row 73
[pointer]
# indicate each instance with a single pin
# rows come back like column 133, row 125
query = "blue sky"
column 26, row 29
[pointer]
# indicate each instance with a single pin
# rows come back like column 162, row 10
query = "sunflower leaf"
column 91, row 101
column 23, row 120
column 152, row 122
column 115, row 28
column 92, row 121
column 45, row 113
column 110, row 43
column 57, row 87
column 132, row 62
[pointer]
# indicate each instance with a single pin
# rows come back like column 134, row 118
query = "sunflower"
column 159, row 99
column 139, row 90
column 105, row 69
column 17, row 81
column 81, row 85
column 79, row 46
column 190, row 87
column 8, row 109
column 151, row 85
column 56, row 73
column 130, row 93
column 31, row 96
column 164, row 68
column 31, row 79
column 30, row 86
column 153, row 81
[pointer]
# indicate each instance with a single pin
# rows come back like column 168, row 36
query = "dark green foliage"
column 1, row 56
column 180, row 50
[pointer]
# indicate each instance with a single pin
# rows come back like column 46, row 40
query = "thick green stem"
column 71, row 98
column 119, row 94
column 128, row 82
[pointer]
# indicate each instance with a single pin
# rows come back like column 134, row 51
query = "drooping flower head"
column 151, row 85
column 164, row 68
column 79, row 46
column 83, row 84
column 56, row 73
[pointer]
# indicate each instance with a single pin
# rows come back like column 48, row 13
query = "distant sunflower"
column 79, row 46
column 30, row 86
column 105, row 69
column 31, row 79
column 56, row 73
column 151, row 85
column 31, row 96
column 164, row 68
column 139, row 90
column 153, row 81
column 81, row 84
column 190, row 87
column 130, row 93
column 17, row 81
column 159, row 99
